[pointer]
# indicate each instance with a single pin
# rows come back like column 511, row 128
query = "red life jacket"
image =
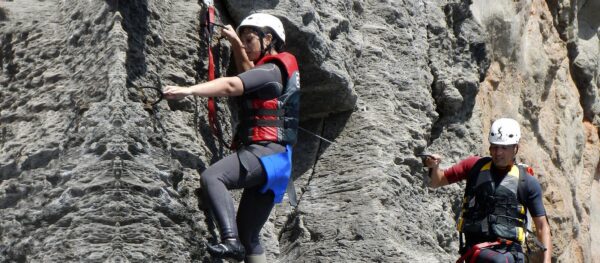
column 273, row 119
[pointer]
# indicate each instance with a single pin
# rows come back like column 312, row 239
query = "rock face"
column 90, row 170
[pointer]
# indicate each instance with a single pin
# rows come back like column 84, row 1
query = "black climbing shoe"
column 230, row 248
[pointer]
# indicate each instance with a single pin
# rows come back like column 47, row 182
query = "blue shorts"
column 278, row 168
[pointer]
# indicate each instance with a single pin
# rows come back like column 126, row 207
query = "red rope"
column 212, row 109
column 212, row 105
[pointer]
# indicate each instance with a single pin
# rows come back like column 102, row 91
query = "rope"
column 313, row 134
column 153, row 105
column 213, row 120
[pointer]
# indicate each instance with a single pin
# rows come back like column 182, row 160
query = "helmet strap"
column 263, row 49
column 260, row 40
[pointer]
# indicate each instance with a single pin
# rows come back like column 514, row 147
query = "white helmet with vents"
column 261, row 20
column 505, row 131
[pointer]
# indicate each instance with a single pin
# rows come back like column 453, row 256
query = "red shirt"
column 460, row 170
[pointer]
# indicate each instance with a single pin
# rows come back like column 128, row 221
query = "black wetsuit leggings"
column 254, row 207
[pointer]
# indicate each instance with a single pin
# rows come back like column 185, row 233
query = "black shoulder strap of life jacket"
column 471, row 179
column 472, row 175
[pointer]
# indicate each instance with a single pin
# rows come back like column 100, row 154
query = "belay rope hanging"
column 213, row 121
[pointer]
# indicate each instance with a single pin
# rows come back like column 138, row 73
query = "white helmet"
column 505, row 131
column 261, row 20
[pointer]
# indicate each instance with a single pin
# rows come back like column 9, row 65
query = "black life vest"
column 491, row 212
column 273, row 117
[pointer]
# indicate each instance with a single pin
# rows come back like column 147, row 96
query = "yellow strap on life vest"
column 514, row 171
column 486, row 167
column 520, row 235
column 461, row 220
column 522, row 209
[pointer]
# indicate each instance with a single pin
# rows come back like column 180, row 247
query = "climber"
column 269, row 90
column 497, row 195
